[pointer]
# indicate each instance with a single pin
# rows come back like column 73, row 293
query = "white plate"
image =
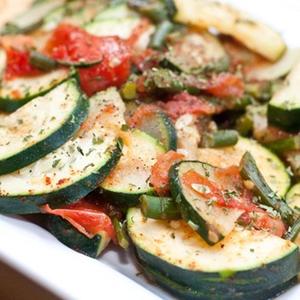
column 70, row 275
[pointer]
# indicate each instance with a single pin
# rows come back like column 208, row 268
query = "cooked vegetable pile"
column 171, row 125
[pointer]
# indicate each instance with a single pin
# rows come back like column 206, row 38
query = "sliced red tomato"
column 18, row 64
column 262, row 221
column 72, row 43
column 184, row 103
column 160, row 171
column 87, row 218
column 226, row 85
column 142, row 112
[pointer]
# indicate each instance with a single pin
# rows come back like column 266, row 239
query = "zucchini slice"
column 206, row 14
column 159, row 126
column 284, row 107
column 196, row 53
column 75, row 169
column 293, row 199
column 272, row 71
column 122, row 28
column 32, row 18
column 16, row 92
column 41, row 126
column 213, row 223
column 130, row 178
column 75, row 240
column 270, row 166
column 241, row 264
column 185, row 292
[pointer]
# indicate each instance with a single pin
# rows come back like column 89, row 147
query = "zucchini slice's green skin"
column 50, row 143
column 128, row 181
column 160, row 127
column 187, row 293
column 63, row 196
column 283, row 118
column 8, row 104
column 284, row 107
column 160, row 208
column 286, row 144
column 242, row 280
column 250, row 171
column 74, row 239
column 207, row 225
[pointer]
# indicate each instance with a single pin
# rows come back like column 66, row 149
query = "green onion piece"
column 221, row 138
column 159, row 36
column 249, row 171
column 42, row 61
column 160, row 208
column 122, row 238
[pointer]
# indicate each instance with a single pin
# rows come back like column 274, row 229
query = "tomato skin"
column 113, row 70
column 226, row 85
column 73, row 44
column 18, row 64
column 160, row 171
column 86, row 217
column 184, row 103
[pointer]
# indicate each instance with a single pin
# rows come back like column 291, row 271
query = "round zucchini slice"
column 240, row 264
column 185, row 292
column 41, row 126
column 76, row 168
column 17, row 92
column 269, row 164
column 71, row 237
column 130, row 178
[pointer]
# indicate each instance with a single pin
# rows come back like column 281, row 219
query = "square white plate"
column 37, row 254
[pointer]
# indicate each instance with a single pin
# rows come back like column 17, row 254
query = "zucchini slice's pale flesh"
column 130, row 178
column 284, row 107
column 32, row 18
column 41, row 126
column 75, row 169
column 16, row 92
column 272, row 71
column 213, row 14
column 240, row 264
column 122, row 28
column 74, row 239
column 269, row 164
column 213, row 223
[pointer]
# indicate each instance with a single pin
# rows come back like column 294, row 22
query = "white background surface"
column 70, row 275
